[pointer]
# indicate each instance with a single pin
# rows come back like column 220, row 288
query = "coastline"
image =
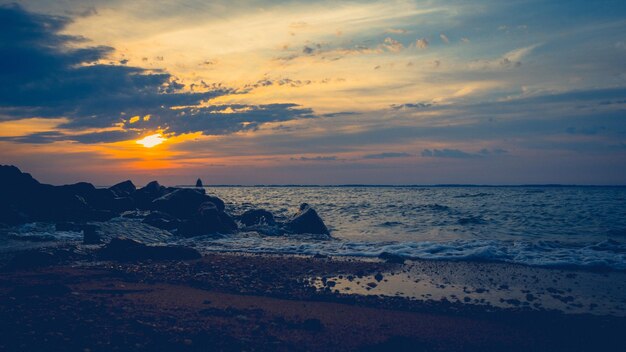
column 266, row 302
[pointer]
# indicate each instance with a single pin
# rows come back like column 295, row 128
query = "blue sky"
column 398, row 92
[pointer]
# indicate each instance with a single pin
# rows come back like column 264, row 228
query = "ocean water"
column 578, row 227
column 539, row 226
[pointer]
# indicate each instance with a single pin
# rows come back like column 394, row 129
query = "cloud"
column 316, row 158
column 410, row 106
column 510, row 59
column 395, row 31
column 386, row 155
column 44, row 75
column 447, row 153
column 421, row 43
column 393, row 45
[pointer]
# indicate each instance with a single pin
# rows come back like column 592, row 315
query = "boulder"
column 9, row 215
column 123, row 249
column 25, row 199
column 123, row 189
column 208, row 220
column 161, row 220
column 306, row 221
column 184, row 202
column 144, row 196
column 257, row 217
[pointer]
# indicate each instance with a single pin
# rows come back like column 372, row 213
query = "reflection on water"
column 496, row 285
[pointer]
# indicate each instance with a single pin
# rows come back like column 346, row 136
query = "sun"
column 152, row 140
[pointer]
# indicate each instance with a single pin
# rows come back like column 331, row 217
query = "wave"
column 605, row 255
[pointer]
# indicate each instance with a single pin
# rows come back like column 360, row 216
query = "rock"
column 11, row 216
column 257, row 217
column 161, row 220
column 90, row 235
column 25, row 199
column 208, row 220
column 306, row 221
column 184, row 202
column 123, row 249
column 123, row 189
column 144, row 196
column 199, row 183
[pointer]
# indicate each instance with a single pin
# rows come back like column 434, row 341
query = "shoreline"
column 265, row 302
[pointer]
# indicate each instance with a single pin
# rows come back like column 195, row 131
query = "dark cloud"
column 316, row 158
column 386, row 155
column 411, row 106
column 42, row 75
column 447, row 153
column 496, row 151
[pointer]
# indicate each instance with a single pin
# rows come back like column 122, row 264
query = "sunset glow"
column 398, row 91
column 152, row 140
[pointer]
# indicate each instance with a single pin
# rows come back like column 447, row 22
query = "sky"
column 314, row 92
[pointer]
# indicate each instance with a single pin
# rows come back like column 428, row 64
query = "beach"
column 266, row 302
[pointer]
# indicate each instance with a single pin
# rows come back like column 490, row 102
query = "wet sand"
column 254, row 302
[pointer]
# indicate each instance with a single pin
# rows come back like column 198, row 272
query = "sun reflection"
column 152, row 140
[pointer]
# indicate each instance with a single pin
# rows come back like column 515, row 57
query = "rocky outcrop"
column 255, row 217
column 306, row 221
column 183, row 211
column 161, row 220
column 123, row 189
column 181, row 203
column 144, row 196
column 208, row 220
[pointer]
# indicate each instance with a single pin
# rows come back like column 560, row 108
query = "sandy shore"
column 286, row 303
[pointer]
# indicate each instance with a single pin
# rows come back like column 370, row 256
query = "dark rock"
column 123, row 249
column 208, row 220
column 199, row 183
column 11, row 216
column 215, row 200
column 90, row 235
column 378, row 277
column 32, row 259
column 143, row 197
column 391, row 258
column 182, row 203
column 257, row 217
column 123, row 189
column 306, row 221
column 161, row 220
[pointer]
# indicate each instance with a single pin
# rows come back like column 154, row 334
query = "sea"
column 580, row 227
